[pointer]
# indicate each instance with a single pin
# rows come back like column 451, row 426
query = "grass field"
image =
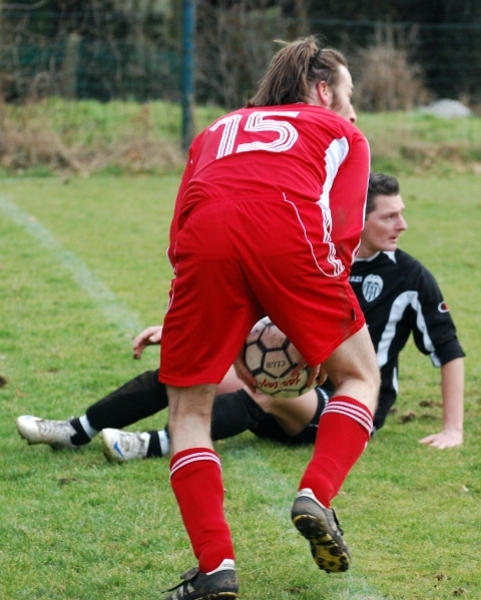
column 82, row 268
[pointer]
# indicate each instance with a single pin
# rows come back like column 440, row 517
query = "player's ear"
column 324, row 94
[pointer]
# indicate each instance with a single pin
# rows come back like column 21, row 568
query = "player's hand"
column 244, row 374
column 321, row 378
column 148, row 337
column 314, row 374
column 317, row 374
column 448, row 438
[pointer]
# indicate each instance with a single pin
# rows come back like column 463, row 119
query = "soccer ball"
column 271, row 358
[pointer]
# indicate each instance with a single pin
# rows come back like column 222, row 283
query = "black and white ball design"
column 271, row 358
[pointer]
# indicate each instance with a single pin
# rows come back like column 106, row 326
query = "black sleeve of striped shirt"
column 433, row 328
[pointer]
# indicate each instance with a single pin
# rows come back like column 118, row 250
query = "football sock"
column 234, row 413
column 137, row 399
column 343, row 433
column 81, row 436
column 153, row 449
column 196, row 479
column 159, row 444
column 164, row 441
column 89, row 430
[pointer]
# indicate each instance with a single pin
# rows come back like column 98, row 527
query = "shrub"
column 386, row 79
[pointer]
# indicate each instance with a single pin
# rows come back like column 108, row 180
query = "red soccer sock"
column 196, row 478
column 344, row 431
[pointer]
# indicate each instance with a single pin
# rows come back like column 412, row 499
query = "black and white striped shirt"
column 399, row 296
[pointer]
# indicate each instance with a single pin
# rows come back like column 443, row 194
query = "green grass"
column 115, row 138
column 74, row 526
column 418, row 143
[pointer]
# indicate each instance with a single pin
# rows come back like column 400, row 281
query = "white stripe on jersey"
column 336, row 154
column 408, row 298
column 309, row 243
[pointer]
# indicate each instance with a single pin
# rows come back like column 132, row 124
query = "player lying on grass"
column 398, row 297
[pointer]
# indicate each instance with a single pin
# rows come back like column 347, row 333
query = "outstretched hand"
column 148, row 337
column 447, row 438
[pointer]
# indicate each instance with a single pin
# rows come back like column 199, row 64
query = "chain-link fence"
column 233, row 48
column 102, row 69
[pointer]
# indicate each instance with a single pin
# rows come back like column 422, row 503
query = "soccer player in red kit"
column 267, row 221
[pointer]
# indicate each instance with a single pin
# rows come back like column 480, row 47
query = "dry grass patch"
column 31, row 137
column 386, row 77
column 86, row 137
column 22, row 148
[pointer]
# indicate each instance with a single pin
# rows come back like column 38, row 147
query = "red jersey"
column 296, row 151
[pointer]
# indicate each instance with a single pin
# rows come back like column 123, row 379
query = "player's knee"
column 367, row 369
column 371, row 378
column 374, row 377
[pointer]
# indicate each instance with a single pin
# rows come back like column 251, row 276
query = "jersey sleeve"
column 433, row 328
column 350, row 191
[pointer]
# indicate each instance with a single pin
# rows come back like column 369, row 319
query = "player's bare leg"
column 190, row 411
column 230, row 383
column 292, row 414
column 344, row 430
column 353, row 369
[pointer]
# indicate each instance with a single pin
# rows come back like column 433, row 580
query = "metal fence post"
column 188, row 44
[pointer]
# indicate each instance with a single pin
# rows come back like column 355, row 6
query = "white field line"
column 117, row 313
column 114, row 310
column 352, row 585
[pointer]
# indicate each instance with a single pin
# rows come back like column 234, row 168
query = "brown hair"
column 380, row 185
column 295, row 69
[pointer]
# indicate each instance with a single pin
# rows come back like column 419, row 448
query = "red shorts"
column 238, row 260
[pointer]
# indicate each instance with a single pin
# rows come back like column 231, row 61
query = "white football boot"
column 56, row 434
column 121, row 446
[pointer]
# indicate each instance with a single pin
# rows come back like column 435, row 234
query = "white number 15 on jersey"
column 257, row 121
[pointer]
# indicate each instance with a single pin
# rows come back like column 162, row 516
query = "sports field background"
column 82, row 266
